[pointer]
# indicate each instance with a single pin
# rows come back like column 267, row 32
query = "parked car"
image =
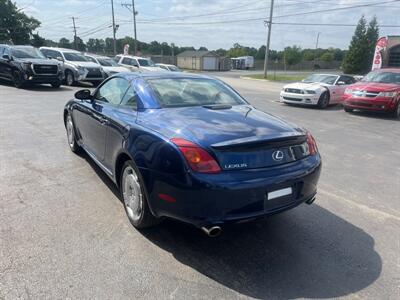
column 189, row 147
column 110, row 67
column 167, row 67
column 76, row 66
column 379, row 91
column 137, row 64
column 25, row 65
column 317, row 89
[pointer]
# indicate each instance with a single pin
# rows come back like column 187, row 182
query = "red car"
column 379, row 90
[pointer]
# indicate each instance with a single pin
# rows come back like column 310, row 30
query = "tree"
column 308, row 54
column 293, row 55
column 236, row 51
column 80, row 45
column 64, row 43
column 358, row 54
column 37, row 40
column 202, row 48
column 327, row 56
column 15, row 26
column 372, row 38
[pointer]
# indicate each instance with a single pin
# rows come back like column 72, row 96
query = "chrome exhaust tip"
column 213, row 231
column 310, row 201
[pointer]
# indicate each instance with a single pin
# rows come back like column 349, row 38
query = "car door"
column 340, row 86
column 119, row 118
column 90, row 118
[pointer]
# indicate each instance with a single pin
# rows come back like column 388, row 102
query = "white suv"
column 137, row 64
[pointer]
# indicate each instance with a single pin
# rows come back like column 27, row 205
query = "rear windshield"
column 74, row 56
column 382, row 77
column 179, row 92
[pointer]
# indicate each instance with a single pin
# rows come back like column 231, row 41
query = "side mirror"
column 7, row 57
column 83, row 95
column 341, row 83
column 59, row 58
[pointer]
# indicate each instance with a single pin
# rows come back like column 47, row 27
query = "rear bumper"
column 376, row 104
column 232, row 196
column 304, row 99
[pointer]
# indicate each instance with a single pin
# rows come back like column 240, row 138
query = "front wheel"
column 69, row 125
column 18, row 80
column 396, row 112
column 134, row 197
column 56, row 85
column 69, row 78
column 323, row 101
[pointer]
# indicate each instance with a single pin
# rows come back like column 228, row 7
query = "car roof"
column 19, row 46
column 97, row 56
column 132, row 56
column 61, row 49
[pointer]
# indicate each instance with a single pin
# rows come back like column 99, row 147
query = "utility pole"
column 269, row 24
column 75, row 42
column 114, row 28
column 131, row 7
column 316, row 48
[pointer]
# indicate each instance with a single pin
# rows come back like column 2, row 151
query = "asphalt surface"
column 64, row 233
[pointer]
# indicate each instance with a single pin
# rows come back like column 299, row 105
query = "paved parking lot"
column 64, row 234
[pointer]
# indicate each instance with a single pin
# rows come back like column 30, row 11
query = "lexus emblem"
column 277, row 155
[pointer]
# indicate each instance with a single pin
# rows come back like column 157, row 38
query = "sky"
column 213, row 23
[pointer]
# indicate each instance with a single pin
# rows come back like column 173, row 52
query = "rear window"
column 179, row 92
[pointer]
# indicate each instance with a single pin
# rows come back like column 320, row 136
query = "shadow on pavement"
column 306, row 252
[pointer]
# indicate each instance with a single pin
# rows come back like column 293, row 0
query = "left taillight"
column 198, row 159
column 312, row 144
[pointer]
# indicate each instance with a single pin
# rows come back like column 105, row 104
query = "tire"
column 323, row 101
column 70, row 127
column 69, row 78
column 346, row 109
column 134, row 197
column 56, row 85
column 396, row 112
column 18, row 80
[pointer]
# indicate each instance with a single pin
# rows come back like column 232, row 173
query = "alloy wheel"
column 69, row 78
column 70, row 131
column 132, row 194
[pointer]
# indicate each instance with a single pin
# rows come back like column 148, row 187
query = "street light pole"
column 114, row 29
column 269, row 24
column 316, row 48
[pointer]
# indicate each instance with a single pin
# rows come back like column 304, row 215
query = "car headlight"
column 348, row 92
column 387, row 94
column 310, row 92
column 26, row 66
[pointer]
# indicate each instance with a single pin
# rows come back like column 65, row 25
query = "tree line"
column 18, row 28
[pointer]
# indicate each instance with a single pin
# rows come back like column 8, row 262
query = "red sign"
column 380, row 46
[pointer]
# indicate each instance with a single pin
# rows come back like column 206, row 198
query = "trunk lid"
column 239, row 137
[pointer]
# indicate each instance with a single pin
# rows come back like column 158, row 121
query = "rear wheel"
column 349, row 110
column 69, row 125
column 323, row 101
column 134, row 197
column 18, row 80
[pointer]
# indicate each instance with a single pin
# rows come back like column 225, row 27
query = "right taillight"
column 312, row 145
column 198, row 159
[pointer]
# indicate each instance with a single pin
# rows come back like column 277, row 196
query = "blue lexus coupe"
column 189, row 147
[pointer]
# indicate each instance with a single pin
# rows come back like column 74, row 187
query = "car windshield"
column 328, row 79
column 145, row 62
column 382, row 77
column 26, row 52
column 107, row 62
column 179, row 92
column 74, row 56
column 174, row 69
